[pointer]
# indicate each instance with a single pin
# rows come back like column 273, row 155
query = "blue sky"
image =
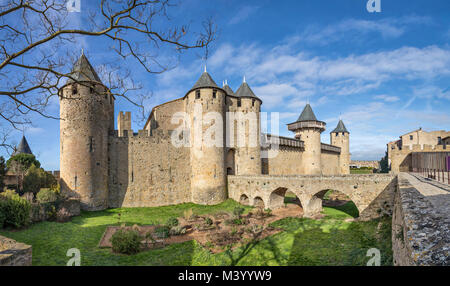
column 383, row 73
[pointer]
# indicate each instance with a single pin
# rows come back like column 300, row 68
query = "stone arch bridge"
column 372, row 194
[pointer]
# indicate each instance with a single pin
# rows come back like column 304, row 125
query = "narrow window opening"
column 91, row 144
column 197, row 94
column 239, row 102
column 74, row 90
column 214, row 93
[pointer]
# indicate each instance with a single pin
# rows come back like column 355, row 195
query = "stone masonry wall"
column 330, row 163
column 13, row 253
column 420, row 236
column 285, row 161
column 148, row 171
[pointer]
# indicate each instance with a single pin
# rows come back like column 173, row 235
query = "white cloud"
column 244, row 13
column 358, row 29
column 387, row 98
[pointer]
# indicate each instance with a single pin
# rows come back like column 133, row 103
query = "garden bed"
column 223, row 232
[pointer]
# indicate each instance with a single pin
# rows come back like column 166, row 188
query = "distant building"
column 399, row 151
column 11, row 178
column 368, row 164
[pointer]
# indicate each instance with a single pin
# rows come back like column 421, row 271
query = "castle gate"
column 372, row 194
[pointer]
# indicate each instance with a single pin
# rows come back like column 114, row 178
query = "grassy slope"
column 330, row 241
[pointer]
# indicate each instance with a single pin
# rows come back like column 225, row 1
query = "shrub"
column 161, row 232
column 208, row 221
column 47, row 196
column 14, row 210
column 177, row 230
column 36, row 178
column 126, row 241
column 24, row 160
column 171, row 222
column 238, row 211
column 2, row 215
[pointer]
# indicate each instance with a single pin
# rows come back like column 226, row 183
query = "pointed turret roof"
column 245, row 91
column 227, row 88
column 205, row 80
column 83, row 71
column 340, row 127
column 307, row 114
column 23, row 147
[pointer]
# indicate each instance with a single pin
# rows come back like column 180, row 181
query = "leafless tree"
column 38, row 46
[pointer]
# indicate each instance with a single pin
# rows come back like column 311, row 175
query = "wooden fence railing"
column 433, row 165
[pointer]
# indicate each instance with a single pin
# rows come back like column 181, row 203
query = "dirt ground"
column 221, row 234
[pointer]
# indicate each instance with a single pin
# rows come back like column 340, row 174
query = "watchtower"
column 308, row 129
column 86, row 112
column 205, row 104
column 341, row 137
column 248, row 154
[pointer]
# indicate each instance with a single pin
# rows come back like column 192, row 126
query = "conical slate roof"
column 228, row 89
column 83, row 71
column 340, row 127
column 307, row 114
column 245, row 91
column 23, row 147
column 205, row 80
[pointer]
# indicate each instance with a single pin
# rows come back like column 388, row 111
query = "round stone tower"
column 341, row 137
column 86, row 111
column 308, row 129
column 205, row 104
column 248, row 155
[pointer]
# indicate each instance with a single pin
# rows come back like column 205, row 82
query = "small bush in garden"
column 47, row 196
column 238, row 211
column 177, row 230
column 14, row 209
column 208, row 221
column 126, row 241
column 2, row 215
column 161, row 232
column 172, row 222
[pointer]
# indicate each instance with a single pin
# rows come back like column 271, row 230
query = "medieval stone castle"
column 109, row 168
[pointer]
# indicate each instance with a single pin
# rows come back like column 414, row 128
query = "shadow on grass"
column 349, row 208
column 342, row 245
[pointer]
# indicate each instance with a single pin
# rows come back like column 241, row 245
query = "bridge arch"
column 244, row 200
column 330, row 198
column 259, row 202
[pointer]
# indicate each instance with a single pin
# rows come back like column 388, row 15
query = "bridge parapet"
column 372, row 193
column 420, row 230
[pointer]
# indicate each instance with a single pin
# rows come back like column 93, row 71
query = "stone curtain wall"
column 359, row 164
column 330, row 163
column 372, row 194
column 286, row 162
column 13, row 253
column 148, row 171
column 420, row 236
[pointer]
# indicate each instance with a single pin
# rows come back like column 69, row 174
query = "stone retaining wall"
column 420, row 235
column 13, row 253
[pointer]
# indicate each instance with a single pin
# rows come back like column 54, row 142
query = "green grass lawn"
column 361, row 171
column 329, row 241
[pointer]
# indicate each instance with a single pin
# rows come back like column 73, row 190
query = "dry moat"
column 281, row 237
